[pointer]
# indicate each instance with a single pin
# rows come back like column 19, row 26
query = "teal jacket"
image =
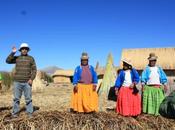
column 146, row 74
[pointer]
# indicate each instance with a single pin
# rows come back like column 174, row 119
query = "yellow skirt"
column 85, row 100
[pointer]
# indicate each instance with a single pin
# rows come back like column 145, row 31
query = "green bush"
column 46, row 77
column 7, row 80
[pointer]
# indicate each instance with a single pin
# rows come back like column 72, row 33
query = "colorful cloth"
column 85, row 100
column 121, row 77
column 78, row 73
column 128, row 104
column 146, row 75
column 152, row 98
column 86, row 76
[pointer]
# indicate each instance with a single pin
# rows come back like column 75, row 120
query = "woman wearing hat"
column 128, row 100
column 153, row 82
column 84, row 97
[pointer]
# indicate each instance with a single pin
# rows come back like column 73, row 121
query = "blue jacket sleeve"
column 144, row 76
column 119, row 80
column 163, row 77
column 75, row 77
column 136, row 78
column 94, row 75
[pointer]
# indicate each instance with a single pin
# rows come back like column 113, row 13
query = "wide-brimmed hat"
column 84, row 56
column 152, row 56
column 127, row 61
column 24, row 45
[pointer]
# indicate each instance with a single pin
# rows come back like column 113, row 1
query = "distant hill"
column 51, row 69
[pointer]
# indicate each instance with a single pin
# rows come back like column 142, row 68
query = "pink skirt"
column 128, row 104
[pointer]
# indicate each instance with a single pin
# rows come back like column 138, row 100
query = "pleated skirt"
column 152, row 98
column 128, row 104
column 85, row 100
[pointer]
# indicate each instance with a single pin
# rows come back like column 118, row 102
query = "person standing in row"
column 84, row 97
column 24, row 74
column 154, row 82
column 128, row 98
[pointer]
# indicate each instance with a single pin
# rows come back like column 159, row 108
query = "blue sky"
column 58, row 31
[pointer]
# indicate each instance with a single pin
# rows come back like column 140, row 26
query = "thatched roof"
column 67, row 73
column 166, row 57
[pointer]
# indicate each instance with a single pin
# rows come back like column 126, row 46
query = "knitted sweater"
column 25, row 68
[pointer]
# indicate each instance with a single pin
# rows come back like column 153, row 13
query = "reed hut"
column 63, row 76
column 166, row 59
column 66, row 76
column 38, row 82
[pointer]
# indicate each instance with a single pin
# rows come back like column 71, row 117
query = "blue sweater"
column 78, row 72
column 121, row 77
column 146, row 74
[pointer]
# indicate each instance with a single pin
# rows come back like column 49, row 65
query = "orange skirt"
column 85, row 100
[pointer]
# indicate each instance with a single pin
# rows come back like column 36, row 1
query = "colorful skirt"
column 152, row 98
column 85, row 100
column 128, row 104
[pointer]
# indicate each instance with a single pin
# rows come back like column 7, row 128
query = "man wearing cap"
column 84, row 96
column 24, row 74
column 154, row 82
column 128, row 100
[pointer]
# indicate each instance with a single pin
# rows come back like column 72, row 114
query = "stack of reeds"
column 55, row 120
